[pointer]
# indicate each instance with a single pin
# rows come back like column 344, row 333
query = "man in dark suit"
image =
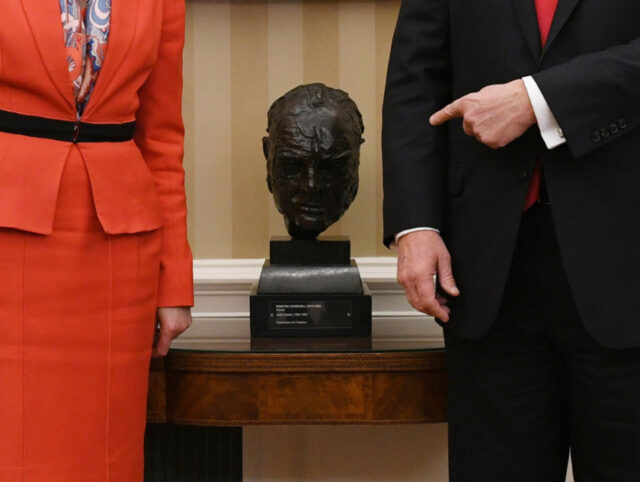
column 512, row 172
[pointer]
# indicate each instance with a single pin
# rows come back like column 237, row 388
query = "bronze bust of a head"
column 313, row 154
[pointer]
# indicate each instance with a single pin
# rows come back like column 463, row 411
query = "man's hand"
column 421, row 256
column 496, row 115
column 172, row 321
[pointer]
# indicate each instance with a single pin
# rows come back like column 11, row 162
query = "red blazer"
column 137, row 185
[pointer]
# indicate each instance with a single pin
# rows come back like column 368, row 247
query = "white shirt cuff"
column 412, row 230
column 550, row 130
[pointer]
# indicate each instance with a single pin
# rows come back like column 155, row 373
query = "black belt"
column 33, row 126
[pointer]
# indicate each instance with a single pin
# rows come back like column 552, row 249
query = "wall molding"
column 222, row 288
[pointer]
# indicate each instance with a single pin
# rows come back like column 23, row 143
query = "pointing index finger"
column 448, row 112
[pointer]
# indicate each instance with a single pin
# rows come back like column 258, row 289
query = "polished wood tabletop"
column 299, row 381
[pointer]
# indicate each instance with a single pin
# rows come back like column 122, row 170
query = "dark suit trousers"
column 538, row 385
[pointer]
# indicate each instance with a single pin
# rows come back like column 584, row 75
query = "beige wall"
column 240, row 56
column 387, row 453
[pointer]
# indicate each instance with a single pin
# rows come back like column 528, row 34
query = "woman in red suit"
column 93, row 247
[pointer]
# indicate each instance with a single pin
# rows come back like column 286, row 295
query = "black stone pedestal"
column 323, row 296
column 335, row 250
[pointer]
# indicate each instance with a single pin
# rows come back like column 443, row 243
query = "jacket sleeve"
column 595, row 97
column 160, row 137
column 418, row 84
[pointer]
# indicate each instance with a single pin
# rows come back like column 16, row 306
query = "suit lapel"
column 46, row 27
column 526, row 14
column 122, row 29
column 563, row 12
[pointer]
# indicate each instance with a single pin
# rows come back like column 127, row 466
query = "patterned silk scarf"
column 86, row 32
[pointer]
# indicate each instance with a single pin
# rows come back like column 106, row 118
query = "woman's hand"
column 172, row 321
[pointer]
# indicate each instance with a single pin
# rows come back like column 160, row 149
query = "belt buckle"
column 76, row 132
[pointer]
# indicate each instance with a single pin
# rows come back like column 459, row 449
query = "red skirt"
column 77, row 317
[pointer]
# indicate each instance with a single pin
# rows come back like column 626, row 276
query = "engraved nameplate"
column 310, row 314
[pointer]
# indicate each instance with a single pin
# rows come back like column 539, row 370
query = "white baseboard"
column 222, row 290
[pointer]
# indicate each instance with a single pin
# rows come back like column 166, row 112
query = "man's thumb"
column 445, row 277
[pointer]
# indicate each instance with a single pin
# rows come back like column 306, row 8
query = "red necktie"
column 545, row 9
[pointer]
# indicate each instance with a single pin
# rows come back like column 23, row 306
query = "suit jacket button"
column 622, row 123
column 524, row 175
column 604, row 133
column 595, row 136
column 613, row 128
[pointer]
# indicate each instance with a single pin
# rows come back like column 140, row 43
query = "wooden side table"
column 299, row 381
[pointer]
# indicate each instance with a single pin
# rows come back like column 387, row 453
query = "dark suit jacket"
column 589, row 73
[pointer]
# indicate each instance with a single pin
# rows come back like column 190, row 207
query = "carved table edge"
column 304, row 362
column 153, row 418
column 241, row 423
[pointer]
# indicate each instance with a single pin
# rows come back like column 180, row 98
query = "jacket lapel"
column 46, row 27
column 563, row 12
column 526, row 14
column 124, row 14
